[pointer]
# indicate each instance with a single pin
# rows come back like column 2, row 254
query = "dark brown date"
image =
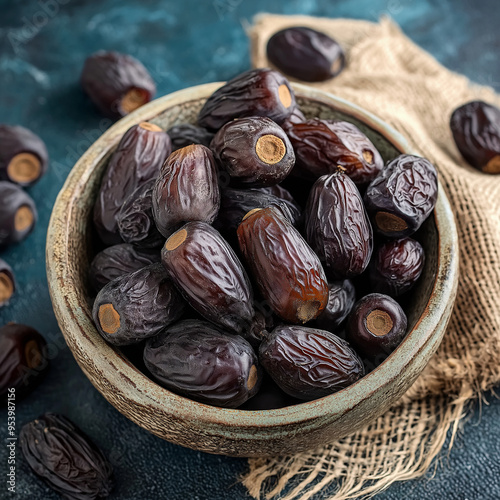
column 23, row 156
column 305, row 54
column 202, row 362
column 258, row 92
column 476, row 130
column 186, row 134
column 341, row 299
column 289, row 274
column 117, row 260
column 254, row 151
column 210, row 276
column 396, row 266
column 236, row 203
column 137, row 159
column 65, row 458
column 18, row 214
column 136, row 306
column 403, row 195
column 116, row 83
column 337, row 226
column 323, row 145
column 296, row 117
column 7, row 283
column 135, row 220
column 308, row 363
column 376, row 325
column 186, row 190
column 23, row 360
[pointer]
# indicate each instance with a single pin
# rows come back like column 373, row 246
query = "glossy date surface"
column 337, row 226
column 308, row 363
column 306, row 54
column 65, row 458
column 257, row 92
column 341, row 299
column 204, row 363
column 289, row 274
column 402, row 196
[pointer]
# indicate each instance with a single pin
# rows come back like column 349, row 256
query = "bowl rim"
column 134, row 385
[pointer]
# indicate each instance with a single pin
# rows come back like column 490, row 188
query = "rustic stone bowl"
column 70, row 249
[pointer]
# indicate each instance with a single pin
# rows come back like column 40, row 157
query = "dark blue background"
column 42, row 48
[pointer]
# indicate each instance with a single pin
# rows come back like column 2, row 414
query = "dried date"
column 137, row 159
column 308, row 363
column 289, row 274
column 258, row 92
column 402, row 196
column 341, row 299
column 18, row 214
column 323, row 145
column 23, row 156
column 186, row 134
column 295, row 117
column 116, row 83
column 396, row 266
column 376, row 325
column 254, row 151
column 65, row 458
column 210, row 276
column 337, row 226
column 204, row 363
column 306, row 54
column 186, row 190
column 135, row 220
column 23, row 360
column 136, row 306
column 117, row 260
column 7, row 283
column 476, row 131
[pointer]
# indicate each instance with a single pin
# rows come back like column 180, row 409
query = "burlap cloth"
column 390, row 76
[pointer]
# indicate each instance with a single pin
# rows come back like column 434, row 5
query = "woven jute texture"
column 393, row 78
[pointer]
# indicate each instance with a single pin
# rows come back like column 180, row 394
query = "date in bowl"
column 235, row 432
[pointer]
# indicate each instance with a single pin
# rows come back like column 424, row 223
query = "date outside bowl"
column 70, row 249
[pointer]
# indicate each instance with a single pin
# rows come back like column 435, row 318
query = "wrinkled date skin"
column 116, row 83
column 202, row 362
column 210, row 276
column 117, row 260
column 186, row 134
column 337, row 226
column 289, row 274
column 258, row 92
column 476, row 130
column 137, row 159
column 236, row 203
column 186, row 190
column 305, row 54
column 65, row 458
column 376, row 326
column 136, row 306
column 308, row 363
column 24, row 360
column 7, row 283
column 323, row 145
column 135, row 220
column 296, row 117
column 401, row 198
column 396, row 266
column 23, row 156
column 18, row 214
column 341, row 300
column 254, row 152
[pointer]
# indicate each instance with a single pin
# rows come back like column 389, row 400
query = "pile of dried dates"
column 254, row 260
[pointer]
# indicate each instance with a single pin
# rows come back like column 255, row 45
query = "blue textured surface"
column 42, row 47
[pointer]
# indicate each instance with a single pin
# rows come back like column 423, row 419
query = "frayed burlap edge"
column 396, row 80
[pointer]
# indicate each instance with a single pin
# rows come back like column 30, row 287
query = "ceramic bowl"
column 70, row 249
